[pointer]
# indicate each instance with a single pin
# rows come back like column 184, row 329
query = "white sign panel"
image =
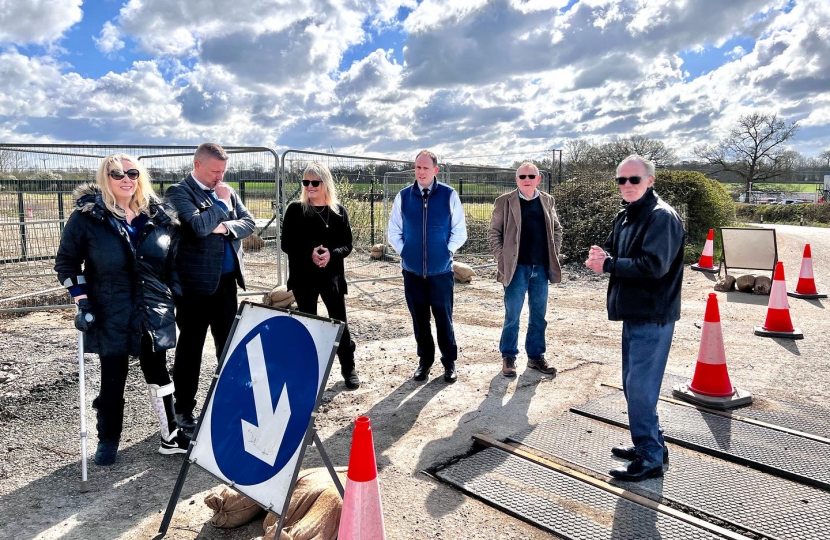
column 260, row 410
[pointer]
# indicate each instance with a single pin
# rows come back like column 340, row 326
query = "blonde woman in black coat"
column 116, row 258
column 317, row 236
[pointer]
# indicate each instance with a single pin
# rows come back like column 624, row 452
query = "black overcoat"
column 131, row 289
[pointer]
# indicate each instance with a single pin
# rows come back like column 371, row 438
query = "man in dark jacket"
column 426, row 227
column 644, row 257
column 213, row 223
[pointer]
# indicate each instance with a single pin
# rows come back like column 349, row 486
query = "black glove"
column 84, row 318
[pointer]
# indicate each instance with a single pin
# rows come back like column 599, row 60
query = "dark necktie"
column 426, row 192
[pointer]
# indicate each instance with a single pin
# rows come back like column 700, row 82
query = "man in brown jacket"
column 525, row 237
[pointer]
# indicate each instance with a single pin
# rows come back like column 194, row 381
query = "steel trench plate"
column 753, row 500
column 560, row 504
column 780, row 453
column 798, row 416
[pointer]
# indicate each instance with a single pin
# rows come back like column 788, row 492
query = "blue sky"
column 474, row 78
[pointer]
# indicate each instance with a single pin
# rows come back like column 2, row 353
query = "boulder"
column 725, row 284
column 745, row 283
column 253, row 243
column 763, row 285
column 279, row 297
column 463, row 273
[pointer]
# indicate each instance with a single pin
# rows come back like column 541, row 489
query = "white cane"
column 84, row 483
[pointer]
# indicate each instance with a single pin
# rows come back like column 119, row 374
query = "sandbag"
column 763, row 285
column 463, row 273
column 746, row 283
column 253, row 243
column 725, row 284
column 279, row 297
column 377, row 251
column 314, row 511
column 232, row 509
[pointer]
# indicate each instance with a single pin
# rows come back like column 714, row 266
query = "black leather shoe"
column 638, row 470
column 629, row 452
column 449, row 374
column 350, row 378
column 422, row 372
column 186, row 421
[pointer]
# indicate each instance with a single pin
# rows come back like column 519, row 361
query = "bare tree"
column 612, row 153
column 11, row 161
column 754, row 149
column 577, row 150
column 825, row 158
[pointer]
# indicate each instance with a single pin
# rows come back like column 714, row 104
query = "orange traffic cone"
column 778, row 322
column 362, row 515
column 706, row 262
column 710, row 384
column 806, row 287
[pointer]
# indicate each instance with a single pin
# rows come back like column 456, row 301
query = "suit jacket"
column 506, row 231
column 199, row 259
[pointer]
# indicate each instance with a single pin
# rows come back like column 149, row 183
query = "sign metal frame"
column 309, row 438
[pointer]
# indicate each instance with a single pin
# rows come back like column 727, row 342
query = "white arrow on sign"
column 262, row 441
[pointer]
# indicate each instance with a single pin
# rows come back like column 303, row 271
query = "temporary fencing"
column 36, row 185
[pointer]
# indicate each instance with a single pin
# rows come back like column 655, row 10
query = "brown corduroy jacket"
column 506, row 230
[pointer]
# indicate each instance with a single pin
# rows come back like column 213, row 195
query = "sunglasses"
column 132, row 174
column 633, row 179
column 312, row 183
column 530, row 176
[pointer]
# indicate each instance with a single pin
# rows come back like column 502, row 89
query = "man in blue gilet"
column 426, row 228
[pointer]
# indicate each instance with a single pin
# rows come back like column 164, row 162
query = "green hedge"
column 586, row 211
column 707, row 206
column 784, row 213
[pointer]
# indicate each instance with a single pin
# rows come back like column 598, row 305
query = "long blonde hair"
column 321, row 172
column 144, row 193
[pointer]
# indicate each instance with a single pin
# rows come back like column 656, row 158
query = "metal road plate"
column 799, row 416
column 560, row 504
column 791, row 456
column 756, row 501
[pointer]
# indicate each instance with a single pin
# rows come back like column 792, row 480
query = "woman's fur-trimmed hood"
column 89, row 199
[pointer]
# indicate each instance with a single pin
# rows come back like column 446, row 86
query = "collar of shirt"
column 535, row 194
column 430, row 188
column 201, row 185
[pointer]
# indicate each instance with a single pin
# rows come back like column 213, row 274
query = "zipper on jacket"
column 426, row 202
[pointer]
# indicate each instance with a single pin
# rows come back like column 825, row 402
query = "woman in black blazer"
column 317, row 236
column 117, row 259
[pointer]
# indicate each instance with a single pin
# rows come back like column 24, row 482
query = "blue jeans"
column 533, row 282
column 645, row 351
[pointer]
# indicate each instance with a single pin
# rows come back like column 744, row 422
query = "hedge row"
column 587, row 210
column 784, row 213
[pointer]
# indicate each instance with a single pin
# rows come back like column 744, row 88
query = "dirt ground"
column 415, row 425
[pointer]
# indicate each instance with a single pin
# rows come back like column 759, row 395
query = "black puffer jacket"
column 131, row 290
column 646, row 262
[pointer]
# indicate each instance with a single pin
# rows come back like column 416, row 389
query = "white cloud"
column 37, row 21
column 109, row 41
column 478, row 77
column 736, row 52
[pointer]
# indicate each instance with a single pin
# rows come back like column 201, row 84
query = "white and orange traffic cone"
column 806, row 287
column 362, row 515
column 707, row 262
column 778, row 322
column 30, row 213
column 710, row 384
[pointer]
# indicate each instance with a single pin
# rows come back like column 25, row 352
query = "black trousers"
column 194, row 315
column 431, row 293
column 110, row 401
column 335, row 303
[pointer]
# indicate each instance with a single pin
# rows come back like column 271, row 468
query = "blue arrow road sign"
column 263, row 400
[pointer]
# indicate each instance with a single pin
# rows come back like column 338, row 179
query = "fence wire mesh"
column 36, row 185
